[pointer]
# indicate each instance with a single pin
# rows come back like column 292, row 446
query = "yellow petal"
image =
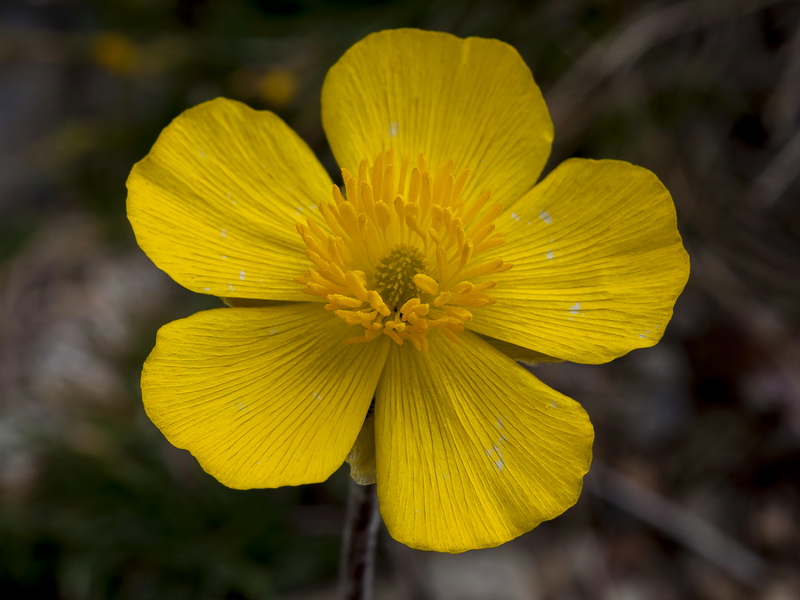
column 472, row 450
column 262, row 397
column 215, row 202
column 473, row 100
column 598, row 264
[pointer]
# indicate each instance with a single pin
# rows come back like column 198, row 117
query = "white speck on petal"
column 550, row 255
column 394, row 127
column 272, row 331
column 545, row 216
column 554, row 404
column 573, row 310
column 230, row 287
column 223, row 256
column 316, row 395
column 494, row 453
column 515, row 216
column 499, row 426
column 241, row 406
column 223, row 232
column 496, row 457
column 241, row 275
column 206, row 289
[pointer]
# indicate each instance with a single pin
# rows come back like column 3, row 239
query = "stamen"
column 402, row 250
column 427, row 284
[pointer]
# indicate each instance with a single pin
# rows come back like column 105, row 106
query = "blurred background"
column 695, row 491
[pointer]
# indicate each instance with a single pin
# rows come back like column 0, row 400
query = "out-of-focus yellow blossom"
column 406, row 290
column 115, row 52
column 278, row 87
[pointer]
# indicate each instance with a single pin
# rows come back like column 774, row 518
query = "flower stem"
column 360, row 537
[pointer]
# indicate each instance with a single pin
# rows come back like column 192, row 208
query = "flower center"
column 401, row 255
column 394, row 275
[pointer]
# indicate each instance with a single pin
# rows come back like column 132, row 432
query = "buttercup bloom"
column 398, row 302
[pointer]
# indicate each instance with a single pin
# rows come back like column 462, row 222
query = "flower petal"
column 472, row 450
column 598, row 264
column 215, row 202
column 262, row 397
column 473, row 100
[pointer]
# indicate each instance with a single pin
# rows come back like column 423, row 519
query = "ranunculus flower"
column 397, row 303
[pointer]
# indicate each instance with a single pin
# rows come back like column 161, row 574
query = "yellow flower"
column 115, row 52
column 413, row 286
column 278, row 87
